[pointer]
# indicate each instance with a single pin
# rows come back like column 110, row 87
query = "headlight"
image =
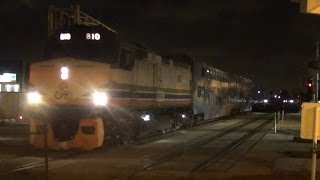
column 64, row 73
column 34, row 98
column 265, row 101
column 145, row 117
column 100, row 98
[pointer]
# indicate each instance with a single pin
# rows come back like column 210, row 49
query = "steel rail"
column 214, row 158
column 192, row 146
column 39, row 163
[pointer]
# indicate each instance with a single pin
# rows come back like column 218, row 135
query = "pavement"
column 278, row 155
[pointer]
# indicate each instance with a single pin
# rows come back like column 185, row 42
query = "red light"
column 309, row 83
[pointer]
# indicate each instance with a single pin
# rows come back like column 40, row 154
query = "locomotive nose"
column 70, row 81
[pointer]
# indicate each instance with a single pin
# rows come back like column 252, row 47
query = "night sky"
column 267, row 41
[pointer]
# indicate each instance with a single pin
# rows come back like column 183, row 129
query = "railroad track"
column 36, row 162
column 157, row 136
column 196, row 143
column 233, row 145
column 36, row 159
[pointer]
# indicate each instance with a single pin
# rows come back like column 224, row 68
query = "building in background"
column 12, row 97
column 13, row 73
column 9, row 83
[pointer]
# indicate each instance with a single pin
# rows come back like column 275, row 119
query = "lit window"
column 16, row 87
column 8, row 77
column 8, row 88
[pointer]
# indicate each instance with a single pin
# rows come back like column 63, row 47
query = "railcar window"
column 203, row 71
column 203, row 91
column 218, row 100
column 210, row 97
column 199, row 91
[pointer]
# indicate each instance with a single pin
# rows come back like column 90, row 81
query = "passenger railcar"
column 217, row 93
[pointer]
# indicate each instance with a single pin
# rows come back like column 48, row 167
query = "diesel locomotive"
column 90, row 89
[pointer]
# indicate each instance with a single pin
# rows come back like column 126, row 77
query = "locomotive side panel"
column 152, row 84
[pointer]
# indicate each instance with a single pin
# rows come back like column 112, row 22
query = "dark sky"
column 268, row 41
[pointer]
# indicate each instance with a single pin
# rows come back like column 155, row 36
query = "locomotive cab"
column 66, row 88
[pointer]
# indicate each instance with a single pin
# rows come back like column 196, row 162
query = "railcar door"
column 210, row 104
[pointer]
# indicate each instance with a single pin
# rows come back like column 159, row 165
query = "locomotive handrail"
column 94, row 21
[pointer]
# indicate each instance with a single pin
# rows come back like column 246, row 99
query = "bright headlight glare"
column 34, row 97
column 64, row 73
column 100, row 98
column 146, row 117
